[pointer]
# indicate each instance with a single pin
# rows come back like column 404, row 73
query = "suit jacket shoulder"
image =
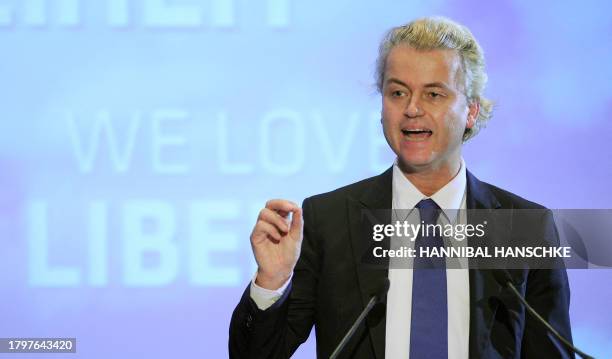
column 508, row 199
column 378, row 186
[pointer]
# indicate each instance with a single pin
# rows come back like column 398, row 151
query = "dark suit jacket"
column 330, row 287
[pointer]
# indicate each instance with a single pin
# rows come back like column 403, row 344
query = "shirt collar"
column 449, row 197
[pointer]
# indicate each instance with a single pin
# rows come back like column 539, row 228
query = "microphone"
column 378, row 297
column 504, row 278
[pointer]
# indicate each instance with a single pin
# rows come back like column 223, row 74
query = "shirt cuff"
column 264, row 298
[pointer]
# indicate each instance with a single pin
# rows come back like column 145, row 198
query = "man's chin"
column 414, row 163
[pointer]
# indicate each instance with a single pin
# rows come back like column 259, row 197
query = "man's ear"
column 473, row 110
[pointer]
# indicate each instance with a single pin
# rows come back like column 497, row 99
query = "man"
column 431, row 79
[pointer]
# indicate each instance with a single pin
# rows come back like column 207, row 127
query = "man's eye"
column 397, row 93
column 435, row 95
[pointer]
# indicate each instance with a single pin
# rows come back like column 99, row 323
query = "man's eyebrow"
column 396, row 81
column 429, row 85
column 437, row 84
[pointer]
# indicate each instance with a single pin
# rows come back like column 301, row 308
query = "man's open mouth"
column 417, row 133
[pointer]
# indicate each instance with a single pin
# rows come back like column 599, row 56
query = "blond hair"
column 433, row 33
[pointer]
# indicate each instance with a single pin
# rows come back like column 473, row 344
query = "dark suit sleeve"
column 277, row 331
column 549, row 294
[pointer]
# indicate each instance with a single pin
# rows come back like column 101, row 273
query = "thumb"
column 296, row 223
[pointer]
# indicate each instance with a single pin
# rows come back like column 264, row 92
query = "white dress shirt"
column 399, row 299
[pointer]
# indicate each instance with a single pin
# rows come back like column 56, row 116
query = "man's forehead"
column 405, row 63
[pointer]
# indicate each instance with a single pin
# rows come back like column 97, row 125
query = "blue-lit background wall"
column 139, row 138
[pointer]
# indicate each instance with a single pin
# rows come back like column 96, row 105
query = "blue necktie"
column 429, row 318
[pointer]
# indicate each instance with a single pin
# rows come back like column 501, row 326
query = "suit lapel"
column 483, row 286
column 377, row 196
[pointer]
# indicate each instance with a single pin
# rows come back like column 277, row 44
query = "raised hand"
column 276, row 241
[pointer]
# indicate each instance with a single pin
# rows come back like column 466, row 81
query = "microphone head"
column 502, row 276
column 382, row 289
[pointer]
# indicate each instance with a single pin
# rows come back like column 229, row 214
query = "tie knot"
column 429, row 211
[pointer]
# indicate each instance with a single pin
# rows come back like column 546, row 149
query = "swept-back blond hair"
column 433, row 33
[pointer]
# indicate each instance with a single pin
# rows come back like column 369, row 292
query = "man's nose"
column 413, row 108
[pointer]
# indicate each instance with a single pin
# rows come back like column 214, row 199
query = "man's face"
column 424, row 111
